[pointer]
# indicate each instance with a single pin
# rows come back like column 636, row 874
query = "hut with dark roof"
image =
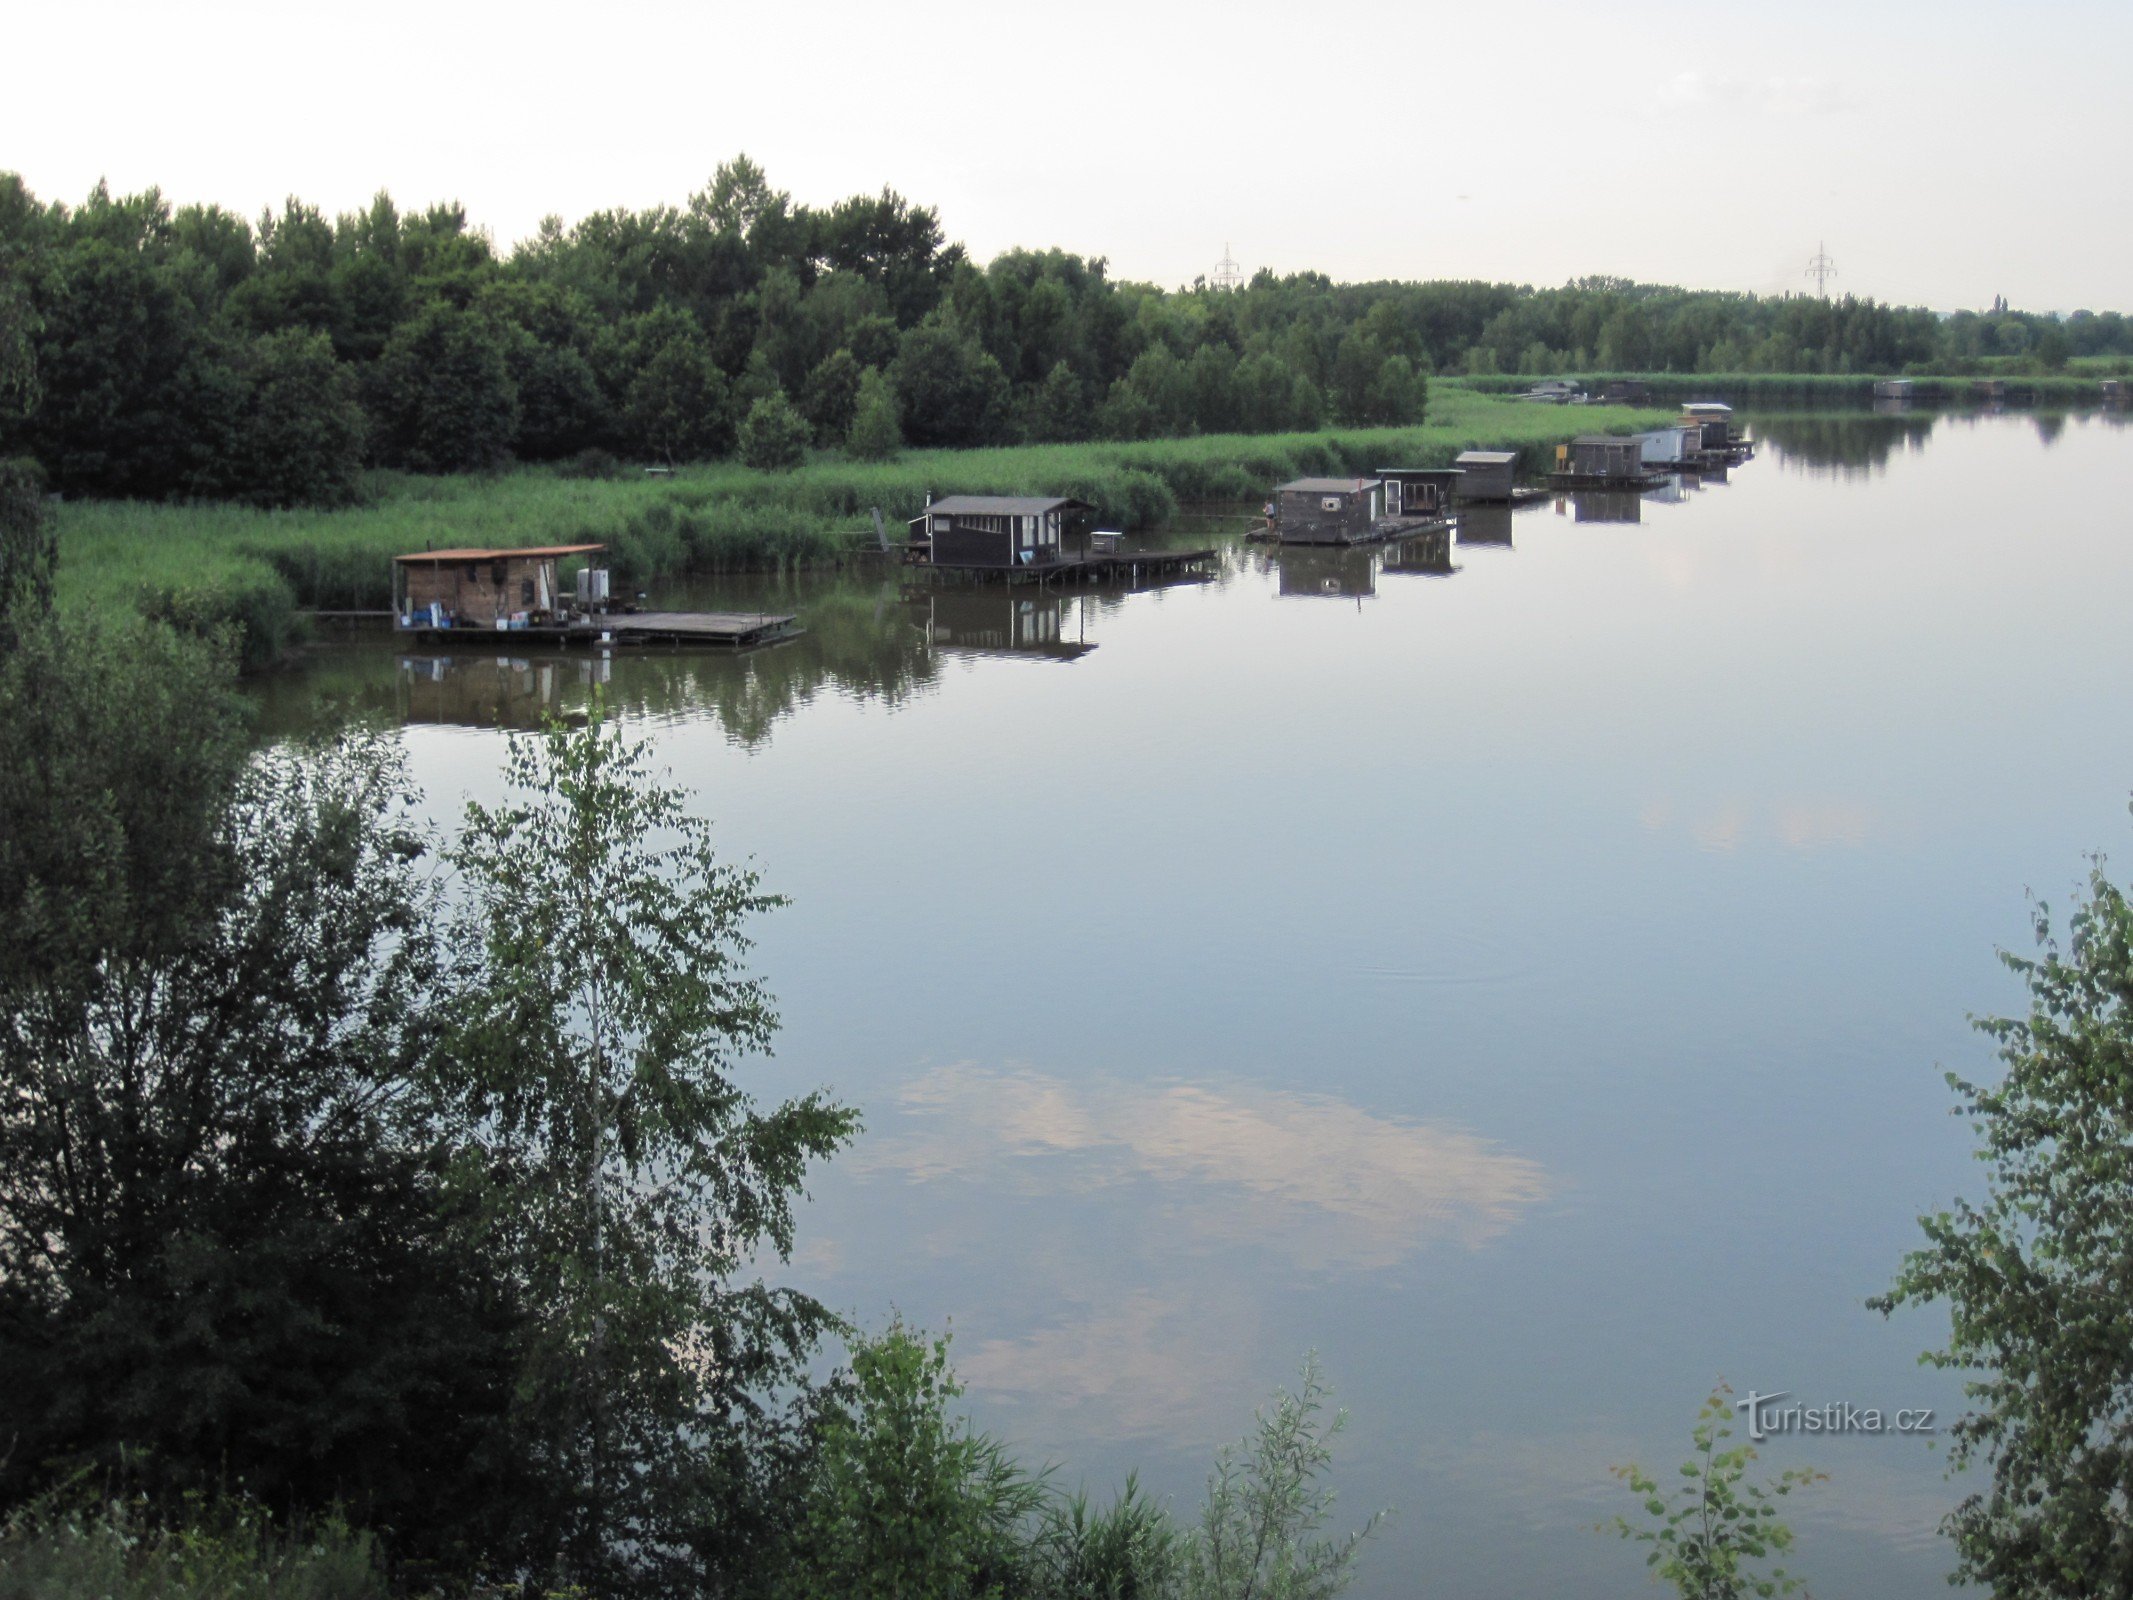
column 1486, row 474
column 1328, row 510
column 993, row 532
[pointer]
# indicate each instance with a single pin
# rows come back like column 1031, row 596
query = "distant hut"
column 484, row 588
column 1328, row 510
column 1625, row 392
column 1607, row 455
column 2114, row 391
column 1990, row 388
column 997, row 532
column 1894, row 389
column 1486, row 475
column 1667, row 447
column 1713, row 422
column 1419, row 491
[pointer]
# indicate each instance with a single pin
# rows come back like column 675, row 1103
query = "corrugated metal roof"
column 1410, row 472
column 1706, row 408
column 530, row 552
column 1326, row 486
column 997, row 505
column 1489, row 458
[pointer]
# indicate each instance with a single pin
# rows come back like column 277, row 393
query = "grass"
column 2079, row 384
column 205, row 564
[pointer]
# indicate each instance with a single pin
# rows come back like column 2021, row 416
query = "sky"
column 1941, row 153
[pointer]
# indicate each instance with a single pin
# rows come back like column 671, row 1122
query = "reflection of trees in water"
column 1842, row 444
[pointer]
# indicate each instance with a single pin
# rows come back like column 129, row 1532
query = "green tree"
column 222, row 1254
column 301, row 438
column 677, row 403
column 603, row 1018
column 442, row 393
column 1259, row 1532
column 949, row 390
column 832, row 396
column 774, row 435
column 877, row 434
column 906, row 1502
column 2034, row 1274
column 1711, row 1531
column 1059, row 408
column 29, row 550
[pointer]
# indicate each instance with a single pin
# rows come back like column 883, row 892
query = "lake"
column 1523, row 978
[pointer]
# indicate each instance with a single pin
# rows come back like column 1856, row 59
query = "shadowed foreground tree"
column 604, row 1014
column 2035, row 1275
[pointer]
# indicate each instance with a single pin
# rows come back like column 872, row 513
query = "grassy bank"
column 200, row 564
column 2081, row 384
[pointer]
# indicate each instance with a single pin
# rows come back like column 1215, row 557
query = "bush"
column 116, row 1552
column 256, row 605
column 774, row 435
column 592, row 462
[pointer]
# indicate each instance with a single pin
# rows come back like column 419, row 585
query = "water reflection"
column 1350, row 572
column 1845, row 444
column 1606, row 505
column 1486, row 525
column 998, row 620
column 1310, row 1177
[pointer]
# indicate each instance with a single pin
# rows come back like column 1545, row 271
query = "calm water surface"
column 1523, row 978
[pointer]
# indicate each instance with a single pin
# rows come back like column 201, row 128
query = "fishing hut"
column 2114, row 391
column 1602, row 461
column 1419, row 491
column 1486, row 475
column 1989, row 389
column 460, row 594
column 1625, row 392
column 1666, row 449
column 1711, row 422
column 1895, row 389
column 997, row 533
column 1328, row 510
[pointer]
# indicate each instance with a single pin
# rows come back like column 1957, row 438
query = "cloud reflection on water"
column 1282, row 1169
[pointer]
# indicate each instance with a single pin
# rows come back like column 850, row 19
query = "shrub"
column 774, row 435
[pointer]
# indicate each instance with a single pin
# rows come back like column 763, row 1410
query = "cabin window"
column 1331, row 502
column 525, row 593
column 1025, row 528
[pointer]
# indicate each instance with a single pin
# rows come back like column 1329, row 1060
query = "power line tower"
column 1228, row 275
column 1821, row 269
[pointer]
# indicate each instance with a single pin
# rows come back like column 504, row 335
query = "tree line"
column 148, row 349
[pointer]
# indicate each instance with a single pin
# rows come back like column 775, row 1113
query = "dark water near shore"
column 1523, row 978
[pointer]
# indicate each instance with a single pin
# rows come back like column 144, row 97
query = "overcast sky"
column 1945, row 152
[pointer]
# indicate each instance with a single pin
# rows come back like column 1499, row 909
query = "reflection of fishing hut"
column 1606, row 505
column 1427, row 554
column 1486, row 525
column 1989, row 389
column 480, row 691
column 1328, row 572
column 2114, row 391
column 996, row 621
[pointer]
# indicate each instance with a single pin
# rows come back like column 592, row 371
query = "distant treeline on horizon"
column 153, row 351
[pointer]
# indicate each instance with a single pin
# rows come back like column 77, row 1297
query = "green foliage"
column 877, row 432
column 121, row 1551
column 1715, row 1533
column 443, row 395
column 949, row 389
column 1259, row 1533
column 677, row 403
column 773, row 435
column 300, row 441
column 223, row 1249
column 832, row 396
column 905, row 1502
column 2034, row 1275
column 29, row 549
column 600, row 1023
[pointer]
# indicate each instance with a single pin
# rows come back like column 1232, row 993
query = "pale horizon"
column 1942, row 157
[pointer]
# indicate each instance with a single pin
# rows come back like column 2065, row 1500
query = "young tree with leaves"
column 604, row 1016
column 1711, row 1529
column 2035, row 1274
